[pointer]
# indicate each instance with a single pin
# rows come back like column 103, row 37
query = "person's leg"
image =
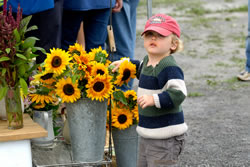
column 164, row 152
column 248, row 42
column 141, row 161
column 49, row 29
column 124, row 27
column 70, row 27
column 95, row 28
column 80, row 36
column 245, row 75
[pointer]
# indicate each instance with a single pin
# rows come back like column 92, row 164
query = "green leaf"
column 17, row 35
column 43, row 90
column 27, row 53
column 34, row 27
column 24, row 23
column 24, row 86
column 34, row 67
column 3, row 92
column 118, row 95
column 21, row 56
column 7, row 50
column 33, row 55
column 14, row 75
column 34, row 49
column 100, row 57
column 29, row 42
column 4, row 58
column 3, row 71
column 21, row 70
column 74, row 78
column 19, row 62
column 111, row 67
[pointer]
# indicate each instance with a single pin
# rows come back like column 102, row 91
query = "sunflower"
column 99, row 55
column 57, row 61
column 118, row 104
column 90, row 67
column 108, row 62
column 98, row 50
column 126, row 71
column 99, row 68
column 99, row 87
column 39, row 106
column 80, row 62
column 45, row 77
column 136, row 113
column 68, row 91
column 122, row 118
column 130, row 93
column 40, row 98
column 76, row 49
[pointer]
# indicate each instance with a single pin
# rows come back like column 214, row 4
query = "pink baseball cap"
column 162, row 24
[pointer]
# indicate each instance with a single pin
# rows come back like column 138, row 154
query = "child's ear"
column 174, row 44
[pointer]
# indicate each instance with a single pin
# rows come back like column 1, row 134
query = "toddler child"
column 161, row 92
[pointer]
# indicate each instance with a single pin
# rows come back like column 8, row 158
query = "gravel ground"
column 217, row 108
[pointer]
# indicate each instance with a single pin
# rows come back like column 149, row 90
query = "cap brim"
column 159, row 30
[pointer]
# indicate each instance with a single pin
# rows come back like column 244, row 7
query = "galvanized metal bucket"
column 87, row 127
column 126, row 146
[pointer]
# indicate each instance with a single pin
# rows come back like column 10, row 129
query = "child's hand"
column 116, row 64
column 146, row 101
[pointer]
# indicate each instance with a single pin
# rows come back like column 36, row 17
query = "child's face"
column 156, row 44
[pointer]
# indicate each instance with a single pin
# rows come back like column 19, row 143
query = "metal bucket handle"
column 46, row 119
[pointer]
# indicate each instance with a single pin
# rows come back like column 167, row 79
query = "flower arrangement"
column 76, row 74
column 41, row 95
column 16, row 51
column 124, row 109
column 16, row 62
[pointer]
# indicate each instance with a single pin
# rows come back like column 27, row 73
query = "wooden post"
column 111, row 38
column 149, row 8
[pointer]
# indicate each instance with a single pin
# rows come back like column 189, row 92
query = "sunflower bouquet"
column 124, row 109
column 41, row 94
column 76, row 74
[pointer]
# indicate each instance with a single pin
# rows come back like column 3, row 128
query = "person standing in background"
column 95, row 16
column 245, row 75
column 47, row 16
column 124, row 27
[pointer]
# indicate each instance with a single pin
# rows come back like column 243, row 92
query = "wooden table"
column 15, row 147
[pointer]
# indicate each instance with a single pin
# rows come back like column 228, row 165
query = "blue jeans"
column 248, row 41
column 95, row 27
column 124, row 26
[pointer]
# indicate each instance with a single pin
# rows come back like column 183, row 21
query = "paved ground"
column 217, row 108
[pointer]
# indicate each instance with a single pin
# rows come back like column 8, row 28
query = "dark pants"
column 95, row 27
column 49, row 29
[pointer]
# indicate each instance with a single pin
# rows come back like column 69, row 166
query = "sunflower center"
column 47, row 76
column 126, row 74
column 56, row 61
column 122, row 119
column 101, row 72
column 68, row 89
column 98, row 86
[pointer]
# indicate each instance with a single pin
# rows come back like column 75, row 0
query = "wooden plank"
column 30, row 130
